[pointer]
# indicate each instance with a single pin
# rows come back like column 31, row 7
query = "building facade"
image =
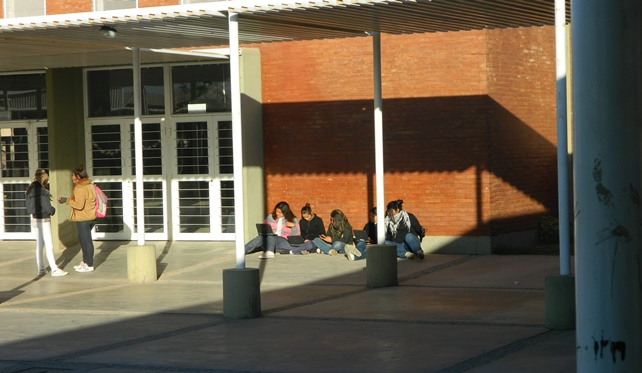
column 469, row 134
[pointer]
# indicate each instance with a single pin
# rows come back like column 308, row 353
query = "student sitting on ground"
column 401, row 230
column 283, row 223
column 371, row 226
column 338, row 238
column 311, row 227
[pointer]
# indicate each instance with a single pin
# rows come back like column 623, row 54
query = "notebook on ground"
column 264, row 229
column 360, row 235
column 295, row 240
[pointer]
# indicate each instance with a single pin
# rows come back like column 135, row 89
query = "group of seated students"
column 402, row 230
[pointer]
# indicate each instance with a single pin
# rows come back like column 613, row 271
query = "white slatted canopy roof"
column 72, row 40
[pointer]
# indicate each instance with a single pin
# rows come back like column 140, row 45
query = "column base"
column 141, row 263
column 381, row 266
column 241, row 293
column 560, row 302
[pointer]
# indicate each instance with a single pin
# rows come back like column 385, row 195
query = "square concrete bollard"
column 560, row 302
column 241, row 293
column 141, row 263
column 381, row 266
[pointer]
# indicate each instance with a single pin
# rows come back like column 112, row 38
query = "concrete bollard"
column 381, row 266
column 560, row 302
column 141, row 263
column 241, row 293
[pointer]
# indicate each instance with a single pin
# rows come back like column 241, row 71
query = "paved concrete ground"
column 451, row 313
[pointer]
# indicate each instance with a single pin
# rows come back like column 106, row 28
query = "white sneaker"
column 410, row 255
column 59, row 272
column 79, row 265
column 85, row 268
column 352, row 250
column 266, row 255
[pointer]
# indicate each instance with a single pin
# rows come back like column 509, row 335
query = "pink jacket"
column 285, row 231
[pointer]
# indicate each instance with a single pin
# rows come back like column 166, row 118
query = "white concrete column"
column 138, row 141
column 607, row 104
column 562, row 138
column 378, row 127
column 237, row 139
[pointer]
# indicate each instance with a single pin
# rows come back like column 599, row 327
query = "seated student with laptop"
column 311, row 227
column 283, row 223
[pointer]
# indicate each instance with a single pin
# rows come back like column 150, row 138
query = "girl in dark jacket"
column 38, row 201
column 339, row 235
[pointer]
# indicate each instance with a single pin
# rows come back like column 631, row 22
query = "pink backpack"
column 101, row 203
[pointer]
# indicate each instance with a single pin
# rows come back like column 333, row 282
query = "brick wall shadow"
column 429, row 143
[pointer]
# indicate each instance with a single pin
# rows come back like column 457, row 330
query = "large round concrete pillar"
column 607, row 109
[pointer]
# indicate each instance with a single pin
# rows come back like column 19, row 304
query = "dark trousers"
column 84, row 238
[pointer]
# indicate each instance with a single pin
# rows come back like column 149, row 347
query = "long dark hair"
column 338, row 224
column 285, row 209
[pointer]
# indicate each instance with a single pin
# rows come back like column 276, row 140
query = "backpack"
column 101, row 203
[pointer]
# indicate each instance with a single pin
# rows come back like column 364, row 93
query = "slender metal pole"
column 562, row 137
column 138, row 143
column 237, row 139
column 378, row 127
column 607, row 118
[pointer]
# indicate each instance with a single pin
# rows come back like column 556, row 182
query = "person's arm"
column 45, row 202
column 293, row 230
column 347, row 235
column 415, row 227
column 79, row 199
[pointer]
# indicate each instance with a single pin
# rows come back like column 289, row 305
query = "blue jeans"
column 260, row 242
column 84, row 238
column 326, row 247
column 296, row 250
column 411, row 244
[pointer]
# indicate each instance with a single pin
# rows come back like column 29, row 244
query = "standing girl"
column 38, row 200
column 83, row 212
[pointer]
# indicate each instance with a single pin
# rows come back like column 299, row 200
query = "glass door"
column 202, row 186
column 23, row 149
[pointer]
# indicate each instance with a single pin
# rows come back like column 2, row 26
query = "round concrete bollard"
column 241, row 293
column 381, row 266
column 560, row 302
column 141, row 263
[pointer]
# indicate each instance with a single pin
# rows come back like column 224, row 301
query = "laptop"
column 295, row 240
column 264, row 229
column 360, row 236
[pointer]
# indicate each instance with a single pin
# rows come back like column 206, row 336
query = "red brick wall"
column 69, row 6
column 522, row 120
column 469, row 127
column 318, row 127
